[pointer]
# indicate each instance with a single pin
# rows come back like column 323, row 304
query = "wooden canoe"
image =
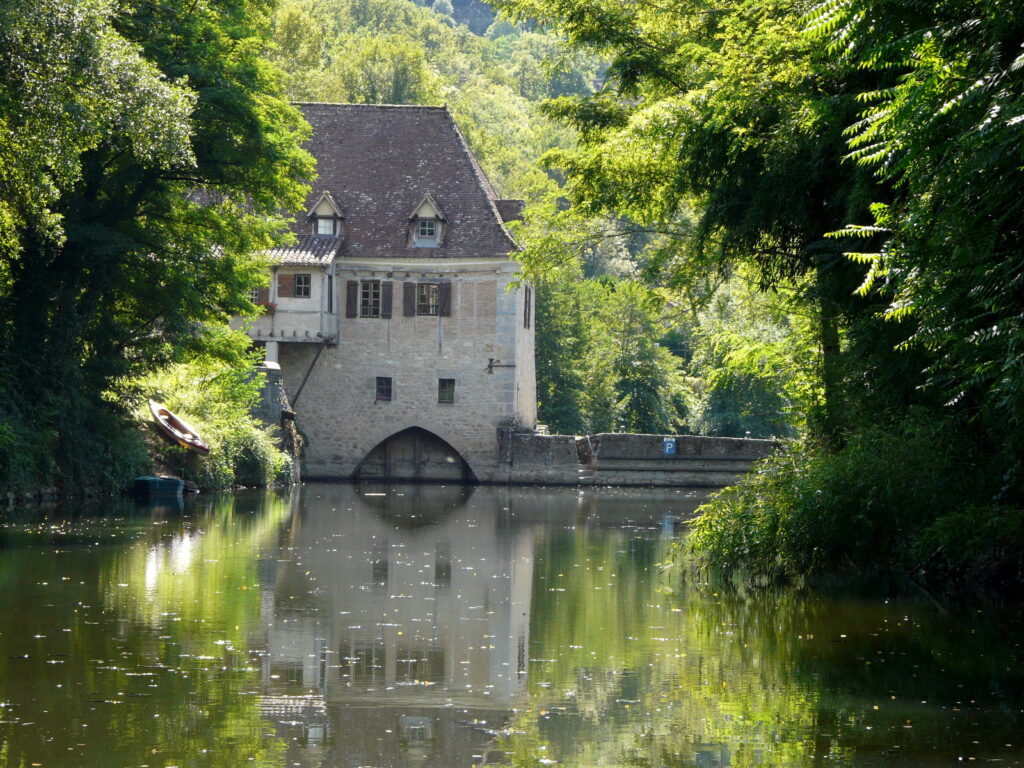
column 177, row 430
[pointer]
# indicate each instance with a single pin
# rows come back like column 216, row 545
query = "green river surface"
column 337, row 625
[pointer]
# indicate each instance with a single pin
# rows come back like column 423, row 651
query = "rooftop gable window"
column 325, row 216
column 427, row 224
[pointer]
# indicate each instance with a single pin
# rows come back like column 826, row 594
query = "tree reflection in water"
column 444, row 626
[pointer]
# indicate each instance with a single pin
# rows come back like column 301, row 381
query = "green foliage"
column 398, row 52
column 147, row 156
column 751, row 366
column 946, row 135
column 215, row 396
column 769, row 139
column 600, row 367
column 383, row 70
column 718, row 136
column 897, row 497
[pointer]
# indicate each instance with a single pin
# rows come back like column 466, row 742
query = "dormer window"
column 426, row 229
column 325, row 216
column 326, row 225
column 427, row 224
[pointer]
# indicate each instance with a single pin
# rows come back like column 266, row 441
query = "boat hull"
column 177, row 430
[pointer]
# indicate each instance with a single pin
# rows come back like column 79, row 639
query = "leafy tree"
column 300, row 40
column 648, row 383
column 174, row 155
column 600, row 365
column 936, row 491
column 947, row 136
column 383, row 70
column 561, row 343
column 725, row 125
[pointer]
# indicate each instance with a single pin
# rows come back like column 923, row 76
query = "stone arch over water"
column 414, row 455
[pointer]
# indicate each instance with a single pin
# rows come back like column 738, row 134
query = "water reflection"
column 444, row 626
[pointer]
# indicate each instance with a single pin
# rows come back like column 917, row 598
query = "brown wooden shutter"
column 351, row 298
column 285, row 286
column 409, row 299
column 264, row 296
column 444, row 296
column 385, row 298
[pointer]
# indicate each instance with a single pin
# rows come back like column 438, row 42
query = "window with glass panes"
column 446, row 390
column 325, row 225
column 426, row 229
column 303, row 286
column 369, row 298
column 383, row 388
column 428, row 298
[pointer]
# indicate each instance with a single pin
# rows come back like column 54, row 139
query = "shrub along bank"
column 105, row 447
column 216, row 398
column 901, row 500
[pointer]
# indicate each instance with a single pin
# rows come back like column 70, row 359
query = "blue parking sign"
column 669, row 446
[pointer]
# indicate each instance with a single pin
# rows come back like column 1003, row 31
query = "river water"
column 445, row 626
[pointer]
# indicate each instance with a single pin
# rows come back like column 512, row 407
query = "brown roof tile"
column 379, row 162
column 308, row 249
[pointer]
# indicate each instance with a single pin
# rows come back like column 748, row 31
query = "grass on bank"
column 897, row 500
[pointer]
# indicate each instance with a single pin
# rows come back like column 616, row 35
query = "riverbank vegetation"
column 146, row 157
column 215, row 393
column 859, row 162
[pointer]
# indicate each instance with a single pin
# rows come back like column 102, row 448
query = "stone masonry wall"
column 337, row 410
column 633, row 460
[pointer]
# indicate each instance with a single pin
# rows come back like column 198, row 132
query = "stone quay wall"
column 617, row 459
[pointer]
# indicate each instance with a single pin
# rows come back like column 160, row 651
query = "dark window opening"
column 446, row 390
column 428, row 299
column 383, row 388
column 369, row 298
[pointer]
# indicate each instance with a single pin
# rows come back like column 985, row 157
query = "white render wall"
column 336, row 410
column 295, row 319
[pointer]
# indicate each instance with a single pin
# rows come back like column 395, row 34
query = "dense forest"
column 772, row 218
column 864, row 160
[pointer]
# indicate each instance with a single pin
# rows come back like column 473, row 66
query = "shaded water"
column 449, row 627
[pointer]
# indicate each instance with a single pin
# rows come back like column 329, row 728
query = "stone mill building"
column 402, row 339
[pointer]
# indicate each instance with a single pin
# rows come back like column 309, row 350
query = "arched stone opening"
column 414, row 455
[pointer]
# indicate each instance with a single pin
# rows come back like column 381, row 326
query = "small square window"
column 428, row 299
column 303, row 286
column 325, row 225
column 426, row 229
column 369, row 299
column 446, row 390
column 254, row 295
column 383, row 388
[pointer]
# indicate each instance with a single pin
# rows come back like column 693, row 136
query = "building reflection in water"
column 397, row 625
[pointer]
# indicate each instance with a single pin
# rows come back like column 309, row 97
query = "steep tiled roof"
column 308, row 249
column 379, row 162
